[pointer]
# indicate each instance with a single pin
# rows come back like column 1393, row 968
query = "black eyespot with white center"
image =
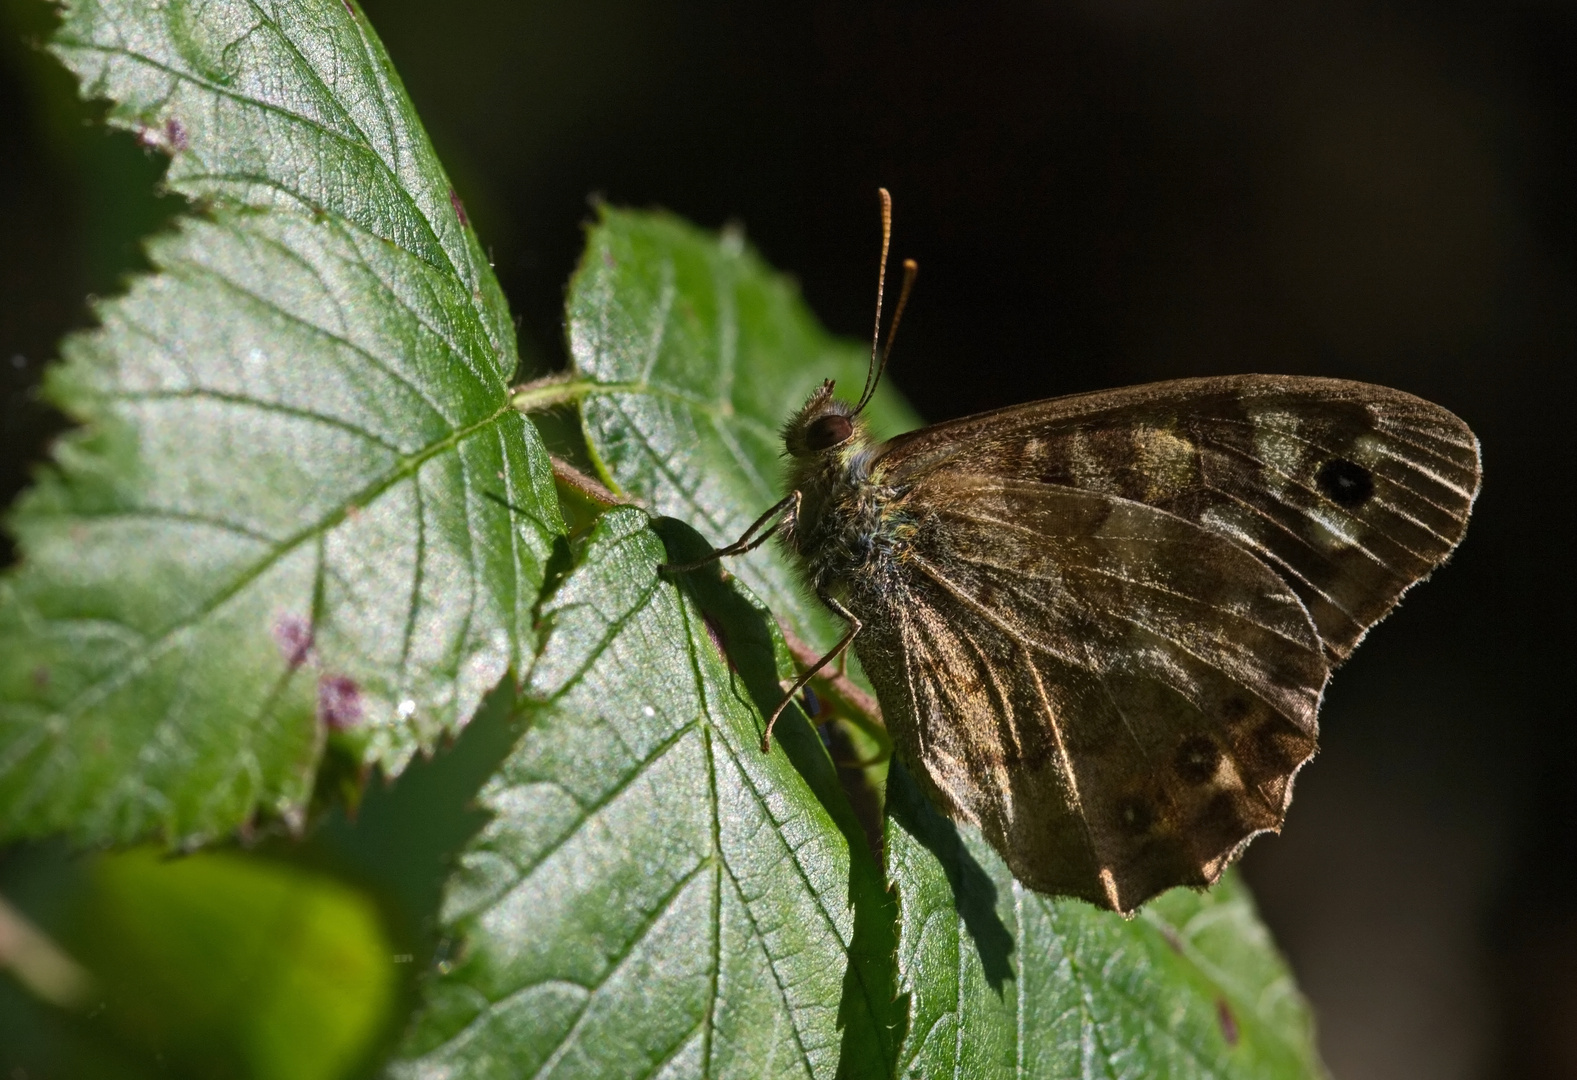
column 828, row 431
column 1345, row 483
column 1196, row 759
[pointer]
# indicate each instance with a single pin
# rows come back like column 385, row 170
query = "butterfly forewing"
column 1350, row 492
column 1116, row 696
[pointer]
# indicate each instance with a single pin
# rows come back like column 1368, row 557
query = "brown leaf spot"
column 339, row 702
column 174, row 135
column 1228, row 1022
column 459, row 209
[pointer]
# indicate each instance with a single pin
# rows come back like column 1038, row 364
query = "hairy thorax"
column 851, row 529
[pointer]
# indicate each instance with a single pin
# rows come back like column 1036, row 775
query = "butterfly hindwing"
column 1118, row 697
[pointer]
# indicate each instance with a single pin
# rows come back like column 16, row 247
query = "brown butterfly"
column 1099, row 626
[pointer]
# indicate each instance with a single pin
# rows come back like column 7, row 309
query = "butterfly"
column 1099, row 626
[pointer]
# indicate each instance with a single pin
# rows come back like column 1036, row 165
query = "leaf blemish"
column 293, row 635
column 339, row 702
column 40, row 677
column 174, row 135
column 459, row 209
column 1229, row 1024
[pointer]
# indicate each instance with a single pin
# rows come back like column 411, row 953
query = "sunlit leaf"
column 655, row 896
column 285, row 513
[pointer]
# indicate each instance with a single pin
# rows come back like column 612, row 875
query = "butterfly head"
column 827, row 444
column 823, row 429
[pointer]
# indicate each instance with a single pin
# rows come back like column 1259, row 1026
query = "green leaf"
column 696, row 353
column 1191, row 987
column 284, row 513
column 235, row 966
column 655, row 896
column 1007, row 982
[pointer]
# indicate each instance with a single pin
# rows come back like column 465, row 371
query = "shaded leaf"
column 1007, row 982
column 280, row 516
column 656, row 897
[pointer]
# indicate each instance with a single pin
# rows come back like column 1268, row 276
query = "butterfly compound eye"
column 828, row 431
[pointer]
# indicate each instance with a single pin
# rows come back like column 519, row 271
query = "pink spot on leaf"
column 459, row 208
column 293, row 635
column 174, row 135
column 339, row 702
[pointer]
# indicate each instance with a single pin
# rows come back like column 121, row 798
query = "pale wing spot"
column 1277, row 447
column 1109, row 884
column 1166, row 461
column 1336, row 531
column 1227, row 777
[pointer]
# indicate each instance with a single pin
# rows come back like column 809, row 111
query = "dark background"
column 1098, row 194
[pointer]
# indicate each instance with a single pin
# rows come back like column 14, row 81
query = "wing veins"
column 1025, row 644
column 1150, row 587
column 930, row 571
column 1294, row 481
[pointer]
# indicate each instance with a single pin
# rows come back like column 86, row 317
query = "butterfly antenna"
column 873, row 374
column 881, row 284
column 910, row 269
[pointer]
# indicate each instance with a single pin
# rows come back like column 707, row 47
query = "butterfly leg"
column 784, row 510
column 837, row 650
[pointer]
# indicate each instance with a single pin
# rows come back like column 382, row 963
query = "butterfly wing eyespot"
column 826, row 432
column 1346, row 482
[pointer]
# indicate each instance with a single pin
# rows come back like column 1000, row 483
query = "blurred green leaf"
column 233, row 966
column 696, row 352
column 284, row 513
column 656, row 897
